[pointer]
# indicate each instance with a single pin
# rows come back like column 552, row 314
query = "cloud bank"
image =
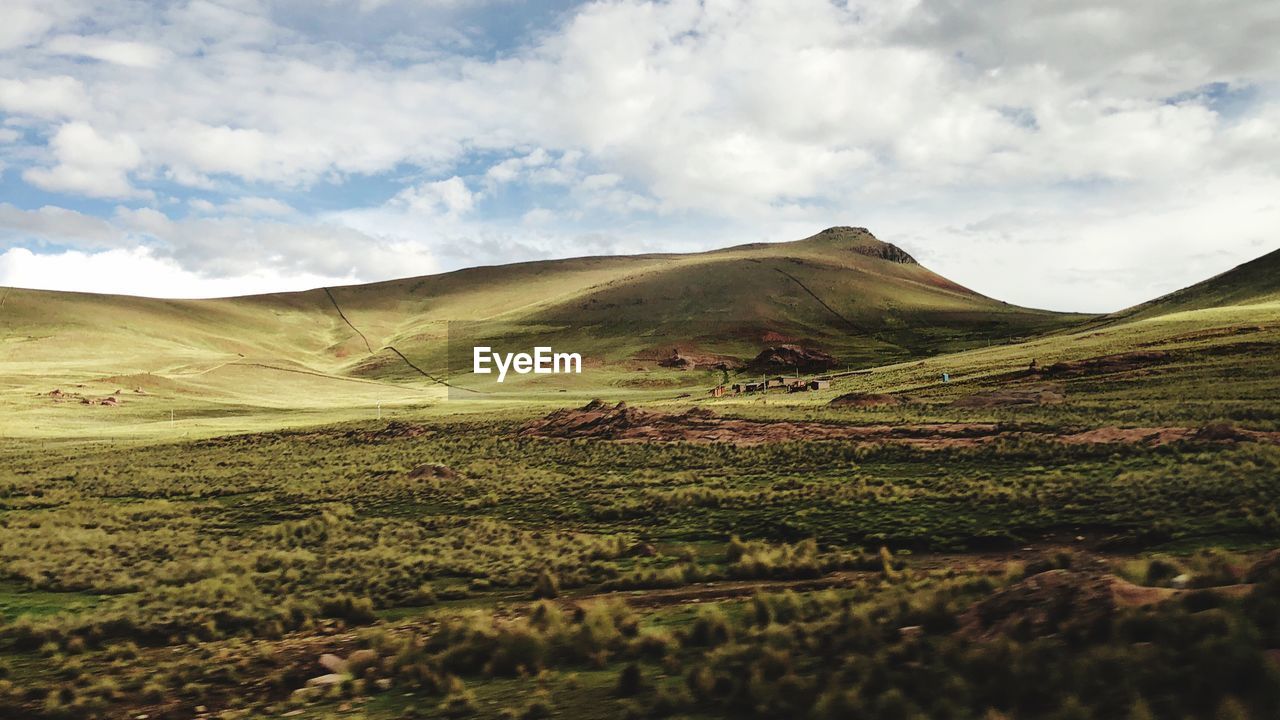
column 1111, row 151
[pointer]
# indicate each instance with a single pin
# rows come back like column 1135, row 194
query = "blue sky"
column 1077, row 156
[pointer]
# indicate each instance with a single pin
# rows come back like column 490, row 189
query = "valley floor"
column 1092, row 539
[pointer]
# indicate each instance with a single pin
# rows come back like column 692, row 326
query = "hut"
column 717, row 391
column 821, row 383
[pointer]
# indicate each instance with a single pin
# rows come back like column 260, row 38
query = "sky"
column 1064, row 154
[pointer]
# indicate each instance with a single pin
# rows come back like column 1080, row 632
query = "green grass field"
column 284, row 489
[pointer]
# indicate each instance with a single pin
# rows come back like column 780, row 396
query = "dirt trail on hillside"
column 621, row 423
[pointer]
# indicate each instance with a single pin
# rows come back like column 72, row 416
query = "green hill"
column 862, row 300
column 1252, row 283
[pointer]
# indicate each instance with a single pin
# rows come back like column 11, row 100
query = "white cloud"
column 121, row 52
column 538, row 216
column 450, row 197
column 88, row 163
column 213, row 248
column 516, row 168
column 55, row 224
column 26, row 21
column 244, row 206
column 1096, row 254
column 50, row 98
column 121, row 270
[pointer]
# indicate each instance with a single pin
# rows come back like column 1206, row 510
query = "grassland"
column 453, row 566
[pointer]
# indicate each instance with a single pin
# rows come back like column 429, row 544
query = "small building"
column 797, row 386
column 717, row 391
column 819, row 383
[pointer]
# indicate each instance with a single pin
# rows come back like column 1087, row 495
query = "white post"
column 379, row 409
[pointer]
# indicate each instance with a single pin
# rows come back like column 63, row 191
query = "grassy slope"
column 1252, row 283
column 290, row 358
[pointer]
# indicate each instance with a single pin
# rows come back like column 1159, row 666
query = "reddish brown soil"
column 627, row 424
column 394, row 429
column 1103, row 364
column 602, row 421
column 1014, row 396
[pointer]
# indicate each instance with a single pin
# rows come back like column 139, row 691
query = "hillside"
column 864, row 301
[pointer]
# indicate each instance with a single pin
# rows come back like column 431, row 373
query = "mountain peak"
column 861, row 241
column 843, row 230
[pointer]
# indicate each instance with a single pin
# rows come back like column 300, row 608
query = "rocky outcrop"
column 886, row 251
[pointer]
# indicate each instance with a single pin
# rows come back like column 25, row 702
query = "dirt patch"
column 433, row 471
column 1133, row 436
column 59, row 396
column 681, row 360
column 1222, row 431
column 781, row 358
column 622, row 423
column 866, row 400
column 1014, row 396
column 1104, row 364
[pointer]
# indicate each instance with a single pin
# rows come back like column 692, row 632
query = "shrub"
column 710, row 628
column 356, row 611
column 460, row 704
column 630, row 681
column 547, row 586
